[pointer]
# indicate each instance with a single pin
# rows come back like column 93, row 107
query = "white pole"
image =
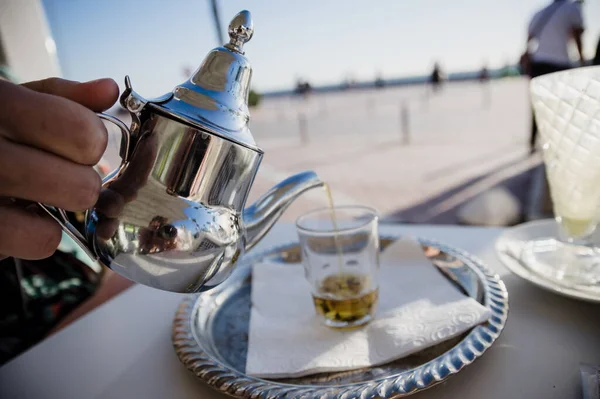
column 370, row 106
column 303, row 128
column 487, row 95
column 404, row 123
column 426, row 96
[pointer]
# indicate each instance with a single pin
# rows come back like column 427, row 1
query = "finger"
column 97, row 95
column 106, row 228
column 51, row 123
column 26, row 235
column 110, row 203
column 109, row 206
column 43, row 177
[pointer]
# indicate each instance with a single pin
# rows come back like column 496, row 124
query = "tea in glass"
column 341, row 260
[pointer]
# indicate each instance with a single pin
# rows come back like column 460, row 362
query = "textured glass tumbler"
column 340, row 253
column 567, row 111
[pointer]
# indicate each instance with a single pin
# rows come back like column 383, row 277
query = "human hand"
column 50, row 139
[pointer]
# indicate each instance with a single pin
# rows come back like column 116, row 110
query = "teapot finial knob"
column 240, row 31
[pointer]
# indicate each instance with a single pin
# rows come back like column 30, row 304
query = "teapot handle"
column 60, row 215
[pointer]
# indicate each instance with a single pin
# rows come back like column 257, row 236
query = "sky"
column 154, row 41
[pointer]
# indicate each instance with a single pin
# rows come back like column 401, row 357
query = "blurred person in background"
column 40, row 296
column 550, row 32
column 436, row 77
column 484, row 74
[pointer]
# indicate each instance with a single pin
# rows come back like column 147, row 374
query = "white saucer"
column 508, row 248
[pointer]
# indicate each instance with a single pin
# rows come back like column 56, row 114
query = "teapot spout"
column 260, row 216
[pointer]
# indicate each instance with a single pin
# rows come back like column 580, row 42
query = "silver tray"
column 210, row 336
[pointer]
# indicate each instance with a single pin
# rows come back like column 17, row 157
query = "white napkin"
column 418, row 308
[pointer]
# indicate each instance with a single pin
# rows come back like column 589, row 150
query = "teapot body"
column 172, row 217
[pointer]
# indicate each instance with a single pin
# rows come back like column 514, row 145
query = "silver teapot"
column 173, row 215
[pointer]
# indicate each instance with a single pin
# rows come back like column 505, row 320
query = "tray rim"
column 234, row 383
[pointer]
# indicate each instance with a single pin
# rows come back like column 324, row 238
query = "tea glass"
column 340, row 254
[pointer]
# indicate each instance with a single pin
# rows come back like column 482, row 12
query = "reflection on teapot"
column 172, row 215
column 158, row 237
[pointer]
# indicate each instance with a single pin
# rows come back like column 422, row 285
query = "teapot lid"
column 215, row 98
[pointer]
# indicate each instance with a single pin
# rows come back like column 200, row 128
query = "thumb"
column 97, row 95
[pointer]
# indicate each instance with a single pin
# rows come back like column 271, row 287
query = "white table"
column 123, row 349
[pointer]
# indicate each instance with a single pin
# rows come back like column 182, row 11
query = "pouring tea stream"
column 172, row 216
